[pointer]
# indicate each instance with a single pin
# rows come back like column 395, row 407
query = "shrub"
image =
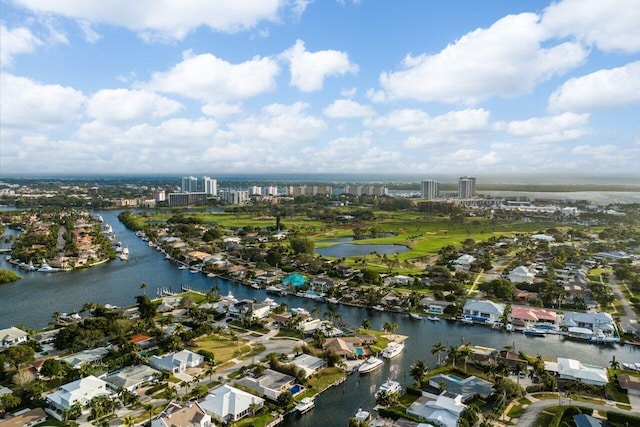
column 623, row 419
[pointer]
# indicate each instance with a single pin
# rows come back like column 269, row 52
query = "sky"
column 301, row 86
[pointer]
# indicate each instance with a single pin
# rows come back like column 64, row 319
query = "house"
column 522, row 274
column 270, row 384
column 543, row 238
column 528, row 316
column 464, row 261
column 24, row 418
column 131, row 377
column 629, row 384
column 248, row 307
column 310, row 364
column 191, row 415
column 597, row 321
column 176, row 362
column 227, row 404
column 570, row 369
column 398, row 280
column 584, row 420
column 511, row 358
column 12, row 336
column 444, row 411
column 483, row 311
column 468, row 387
column 80, row 391
column 346, row 347
column 93, row 356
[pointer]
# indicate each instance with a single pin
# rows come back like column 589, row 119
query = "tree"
column 143, row 286
column 253, row 408
column 366, row 324
column 302, row 245
column 452, row 354
column 146, row 307
column 285, row 399
column 384, row 398
column 128, row 421
column 19, row 354
column 614, row 363
column 438, row 349
column 465, row 351
column 51, row 368
column 418, row 371
column 8, row 401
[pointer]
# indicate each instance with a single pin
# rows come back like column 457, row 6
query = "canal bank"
column 33, row 300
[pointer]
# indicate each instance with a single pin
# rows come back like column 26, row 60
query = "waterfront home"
column 570, row 369
column 12, row 336
column 522, row 274
column 24, row 418
column 630, row 384
column 322, row 284
column 80, row 391
column 191, row 415
column 309, row 364
column 132, row 377
column 444, row 411
column 177, row 362
column 270, row 384
column 93, row 356
column 511, row 358
column 528, row 316
column 483, row 311
column 468, row 387
column 597, row 321
column 227, row 404
column 482, row 355
column 247, row 307
column 347, row 347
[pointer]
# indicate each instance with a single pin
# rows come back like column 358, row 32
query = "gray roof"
column 467, row 387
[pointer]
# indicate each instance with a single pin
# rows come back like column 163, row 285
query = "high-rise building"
column 270, row 191
column 430, row 189
column 189, row 184
column 159, row 195
column 234, row 197
column 210, row 186
column 466, row 187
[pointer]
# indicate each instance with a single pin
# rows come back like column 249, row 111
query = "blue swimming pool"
column 359, row 351
column 295, row 389
column 454, row 377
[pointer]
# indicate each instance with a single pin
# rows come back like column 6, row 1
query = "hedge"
column 620, row 418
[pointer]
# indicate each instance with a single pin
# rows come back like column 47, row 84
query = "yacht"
column 46, row 268
column 378, row 308
column 392, row 350
column 533, row 332
column 433, row 318
column 370, row 365
column 332, row 300
column 362, row 415
column 390, row 386
column 124, row 255
column 415, row 316
column 301, row 311
column 183, row 267
column 305, row 405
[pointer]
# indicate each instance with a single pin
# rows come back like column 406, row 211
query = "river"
column 32, row 300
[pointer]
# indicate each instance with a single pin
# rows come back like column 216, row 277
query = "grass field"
column 223, row 348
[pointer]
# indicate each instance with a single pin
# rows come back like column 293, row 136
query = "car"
column 228, row 320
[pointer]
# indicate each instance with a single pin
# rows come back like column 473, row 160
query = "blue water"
column 295, row 389
column 454, row 377
column 359, row 351
column 349, row 249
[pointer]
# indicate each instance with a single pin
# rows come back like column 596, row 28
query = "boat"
column 273, row 289
column 532, row 332
column 362, row 415
column 433, row 318
column 392, row 350
column 390, row 387
column 194, row 270
column 370, row 365
column 332, row 300
column 305, row 405
column 468, row 320
column 415, row 316
column 378, row 307
column 271, row 302
column 46, row 268
column 124, row 254
column 183, row 267
column 300, row 311
column 255, row 286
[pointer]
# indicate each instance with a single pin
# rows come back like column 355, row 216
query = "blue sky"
column 300, row 86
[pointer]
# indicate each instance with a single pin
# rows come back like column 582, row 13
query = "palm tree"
column 128, row 421
column 149, row 407
column 465, row 352
column 386, row 327
column 143, row 286
column 453, row 353
column 253, row 407
column 614, row 363
column 517, row 370
column 418, row 371
column 438, row 349
column 366, row 324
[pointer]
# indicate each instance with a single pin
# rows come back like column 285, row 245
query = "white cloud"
column 347, row 109
column 221, row 111
column 280, row 124
column 31, row 104
column 348, row 93
column 166, row 19
column 16, row 41
column 505, row 59
column 563, row 127
column 608, row 154
column 123, row 105
column 90, row 35
column 617, row 87
column 611, row 25
column 309, row 69
column 411, row 120
column 214, row 80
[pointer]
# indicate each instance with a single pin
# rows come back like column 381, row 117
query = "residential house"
column 80, row 391
column 93, row 356
column 228, row 404
column 190, row 415
column 571, row 369
column 444, row 411
column 483, row 311
column 131, row 377
column 629, row 384
column 12, row 336
column 347, row 347
column 522, row 274
column 597, row 321
column 270, row 384
column 464, row 261
column 468, row 387
column 177, row 362
column 523, row 317
column 310, row 364
column 24, row 418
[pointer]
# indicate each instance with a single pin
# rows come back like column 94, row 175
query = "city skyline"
column 534, row 87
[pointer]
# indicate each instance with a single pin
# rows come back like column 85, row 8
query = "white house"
column 522, row 274
column 444, row 411
column 177, row 362
column 131, row 377
column 80, row 391
column 12, row 336
column 571, row 369
column 270, row 384
column 483, row 311
column 465, row 261
column 227, row 404
column 594, row 321
column 86, row 357
column 191, row 415
column 310, row 364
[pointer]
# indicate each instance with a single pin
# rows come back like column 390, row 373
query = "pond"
column 350, row 249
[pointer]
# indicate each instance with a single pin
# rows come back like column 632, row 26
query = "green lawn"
column 516, row 411
column 321, row 381
column 222, row 347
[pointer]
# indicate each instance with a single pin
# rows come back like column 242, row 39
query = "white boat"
column 362, row 415
column 433, row 318
column 271, row 302
column 415, row 316
column 183, row 267
column 305, row 405
column 255, row 286
column 300, row 311
column 46, row 268
column 392, row 350
column 370, row 365
column 390, row 386
column 332, row 300
column 194, row 271
column 378, row 307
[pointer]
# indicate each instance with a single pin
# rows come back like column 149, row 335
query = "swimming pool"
column 295, row 389
column 454, row 377
column 359, row 351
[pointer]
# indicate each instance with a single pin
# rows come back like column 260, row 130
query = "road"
column 628, row 322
